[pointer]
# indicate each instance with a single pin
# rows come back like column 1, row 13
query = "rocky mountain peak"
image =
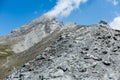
column 33, row 32
column 47, row 49
column 77, row 53
column 44, row 20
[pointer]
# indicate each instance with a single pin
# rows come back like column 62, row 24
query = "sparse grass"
column 5, row 51
column 16, row 60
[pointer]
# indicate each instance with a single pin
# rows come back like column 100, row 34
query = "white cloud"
column 63, row 8
column 115, row 2
column 115, row 24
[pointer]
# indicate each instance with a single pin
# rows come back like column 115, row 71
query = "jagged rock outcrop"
column 79, row 53
column 34, row 32
column 29, row 34
column 27, row 41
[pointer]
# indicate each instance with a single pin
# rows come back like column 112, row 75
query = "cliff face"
column 27, row 35
column 33, row 32
column 47, row 49
column 24, row 43
column 77, row 53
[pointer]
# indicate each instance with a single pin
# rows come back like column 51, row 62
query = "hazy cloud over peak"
column 115, row 2
column 63, row 8
column 115, row 24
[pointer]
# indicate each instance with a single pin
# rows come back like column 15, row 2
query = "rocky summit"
column 66, row 51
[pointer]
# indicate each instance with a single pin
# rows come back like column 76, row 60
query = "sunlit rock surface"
column 79, row 53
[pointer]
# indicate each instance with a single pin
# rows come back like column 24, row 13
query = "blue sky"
column 15, row 13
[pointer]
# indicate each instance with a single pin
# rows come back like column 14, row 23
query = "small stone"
column 117, row 34
column 41, row 77
column 82, row 69
column 70, row 46
column 97, row 58
column 62, row 68
column 104, row 52
column 41, row 58
column 109, row 37
column 99, row 38
column 103, row 22
column 115, row 38
column 114, row 50
column 87, row 57
column 24, row 65
column 85, row 49
column 21, row 75
column 83, row 52
column 30, row 70
column 107, row 63
column 95, row 49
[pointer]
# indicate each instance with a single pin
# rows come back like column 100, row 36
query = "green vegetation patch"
column 5, row 51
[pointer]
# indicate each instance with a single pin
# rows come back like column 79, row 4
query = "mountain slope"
column 24, row 43
column 78, row 53
column 26, row 36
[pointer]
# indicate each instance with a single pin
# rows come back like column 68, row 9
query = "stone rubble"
column 87, row 53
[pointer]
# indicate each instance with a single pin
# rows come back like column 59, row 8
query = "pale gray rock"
column 79, row 53
column 33, row 32
column 69, row 25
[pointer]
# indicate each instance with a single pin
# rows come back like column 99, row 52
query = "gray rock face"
column 33, row 32
column 79, row 53
column 28, row 35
